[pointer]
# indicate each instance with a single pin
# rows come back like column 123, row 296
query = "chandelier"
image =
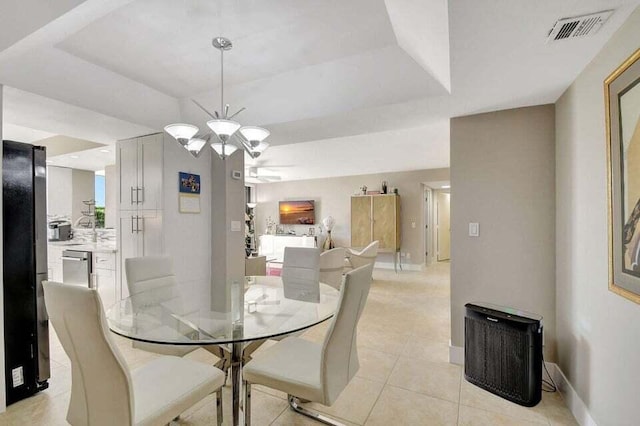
column 222, row 125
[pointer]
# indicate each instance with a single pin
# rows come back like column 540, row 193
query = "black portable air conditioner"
column 503, row 352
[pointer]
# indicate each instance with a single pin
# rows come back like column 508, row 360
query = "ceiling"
column 374, row 81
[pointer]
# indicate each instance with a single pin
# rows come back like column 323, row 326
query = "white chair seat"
column 160, row 397
column 301, row 377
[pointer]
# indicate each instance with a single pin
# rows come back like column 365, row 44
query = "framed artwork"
column 622, row 104
column 189, row 183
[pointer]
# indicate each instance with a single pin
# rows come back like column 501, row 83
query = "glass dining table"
column 255, row 310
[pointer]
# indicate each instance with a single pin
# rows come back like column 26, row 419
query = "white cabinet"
column 140, row 234
column 54, row 263
column 140, row 163
column 104, row 277
column 273, row 246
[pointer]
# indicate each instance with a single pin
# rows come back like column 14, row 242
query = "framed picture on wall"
column 622, row 104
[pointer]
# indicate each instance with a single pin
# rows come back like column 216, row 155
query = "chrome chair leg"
column 294, row 404
column 247, row 403
column 219, row 407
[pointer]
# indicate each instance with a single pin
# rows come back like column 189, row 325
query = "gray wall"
column 59, row 191
column 333, row 197
column 598, row 331
column 84, row 188
column 502, row 176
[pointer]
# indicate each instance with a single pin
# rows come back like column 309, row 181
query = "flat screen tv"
column 297, row 212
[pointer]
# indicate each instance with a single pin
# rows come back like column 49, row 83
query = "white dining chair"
column 155, row 274
column 103, row 390
column 302, row 265
column 331, row 267
column 312, row 371
column 366, row 256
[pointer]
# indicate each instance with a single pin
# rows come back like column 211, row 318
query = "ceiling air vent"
column 578, row 26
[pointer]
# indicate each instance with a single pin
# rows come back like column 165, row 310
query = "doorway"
column 443, row 226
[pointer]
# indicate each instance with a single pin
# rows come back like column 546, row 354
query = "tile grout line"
column 382, row 390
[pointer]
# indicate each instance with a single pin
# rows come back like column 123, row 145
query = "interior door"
column 360, row 221
column 384, row 221
column 128, row 165
column 444, row 227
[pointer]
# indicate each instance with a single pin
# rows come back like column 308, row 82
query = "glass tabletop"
column 263, row 308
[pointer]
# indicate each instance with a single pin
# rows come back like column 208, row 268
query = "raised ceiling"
column 319, row 73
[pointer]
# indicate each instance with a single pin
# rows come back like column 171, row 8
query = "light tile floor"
column 404, row 376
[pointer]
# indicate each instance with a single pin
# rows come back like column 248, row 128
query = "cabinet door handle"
column 140, row 199
column 138, row 221
column 132, row 229
column 132, row 201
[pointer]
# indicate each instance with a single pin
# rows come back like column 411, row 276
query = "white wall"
column 110, row 196
column 2, row 378
column 59, row 191
column 333, row 197
column 187, row 237
column 502, row 176
column 598, row 331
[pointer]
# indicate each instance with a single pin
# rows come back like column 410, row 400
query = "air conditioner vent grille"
column 579, row 26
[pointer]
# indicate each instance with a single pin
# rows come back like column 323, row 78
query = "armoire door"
column 384, row 221
column 360, row 221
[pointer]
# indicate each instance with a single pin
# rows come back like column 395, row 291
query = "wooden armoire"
column 376, row 217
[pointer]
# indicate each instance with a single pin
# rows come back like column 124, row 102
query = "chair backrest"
column 255, row 266
column 331, row 266
column 101, row 386
column 302, row 265
column 367, row 256
column 151, row 273
column 340, row 352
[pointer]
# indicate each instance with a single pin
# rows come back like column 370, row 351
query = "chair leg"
column 294, row 404
column 219, row 406
column 247, row 403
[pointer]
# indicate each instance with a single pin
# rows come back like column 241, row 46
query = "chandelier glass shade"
column 222, row 128
column 195, row 146
column 181, row 132
column 254, row 134
column 224, row 149
column 251, row 138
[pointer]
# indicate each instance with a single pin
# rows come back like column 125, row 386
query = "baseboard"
column 575, row 404
column 456, row 354
column 405, row 266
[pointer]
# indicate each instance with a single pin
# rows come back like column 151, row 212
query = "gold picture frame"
column 622, row 113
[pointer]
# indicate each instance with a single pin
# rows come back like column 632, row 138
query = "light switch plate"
column 474, row 229
column 236, row 174
column 236, row 226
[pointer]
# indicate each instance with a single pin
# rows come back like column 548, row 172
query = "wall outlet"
column 413, row 225
column 236, row 226
column 474, row 229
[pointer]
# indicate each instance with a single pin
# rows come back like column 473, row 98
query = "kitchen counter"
column 85, row 246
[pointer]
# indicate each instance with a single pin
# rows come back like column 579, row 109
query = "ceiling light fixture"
column 105, row 151
column 75, row 157
column 222, row 125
